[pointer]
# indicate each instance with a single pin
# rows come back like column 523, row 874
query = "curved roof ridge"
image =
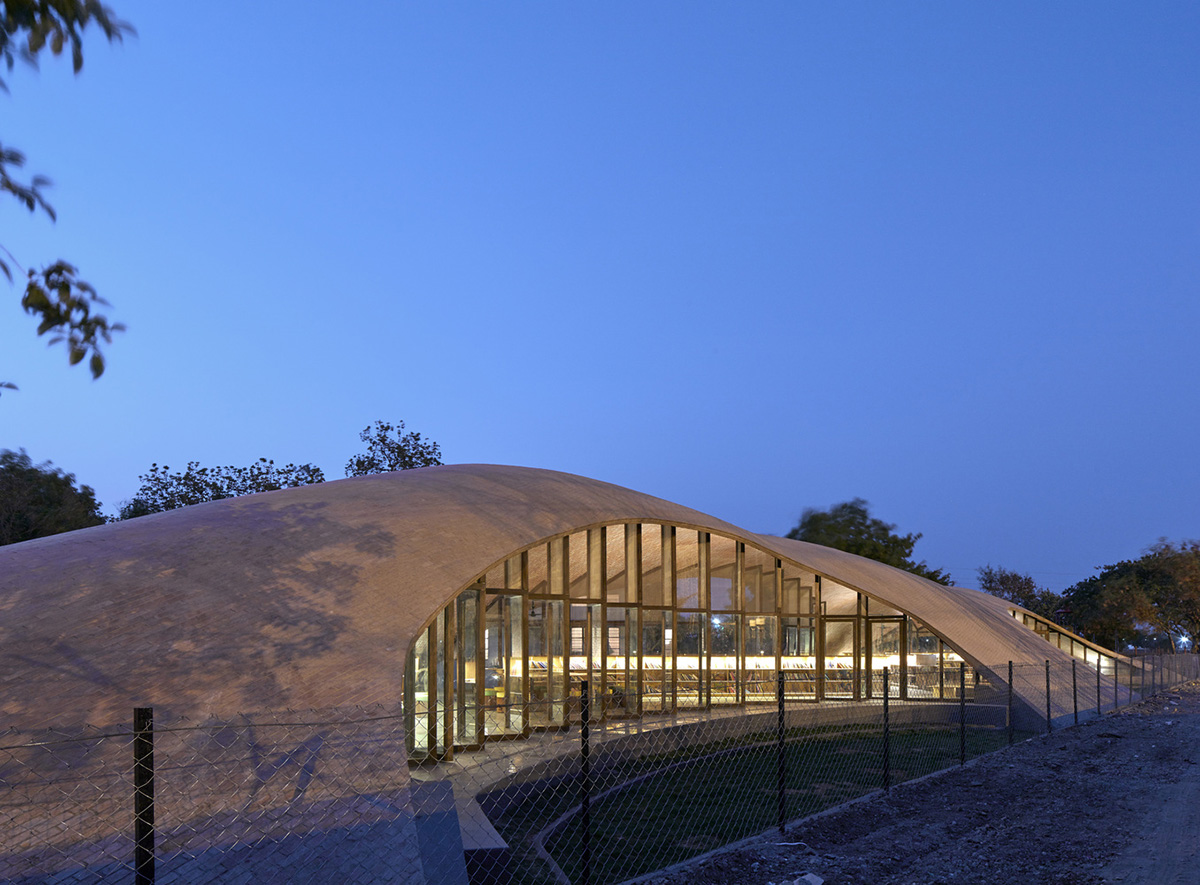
column 311, row 596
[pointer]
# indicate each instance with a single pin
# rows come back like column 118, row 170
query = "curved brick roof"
column 310, row 597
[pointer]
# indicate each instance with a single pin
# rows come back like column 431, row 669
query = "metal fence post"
column 1074, row 691
column 887, row 735
column 585, row 786
column 1098, row 700
column 780, row 762
column 1010, row 702
column 143, row 795
column 962, row 713
column 1049, row 724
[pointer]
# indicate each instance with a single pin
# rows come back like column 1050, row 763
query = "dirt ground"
column 1113, row 800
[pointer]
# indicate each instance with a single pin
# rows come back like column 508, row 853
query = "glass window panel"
column 539, row 572
column 689, row 658
column 920, row 639
column 798, row 656
column 577, row 646
column 885, row 644
column 578, row 567
column 839, row 639
column 436, row 665
column 515, row 694
column 599, row 639
column 799, row 591
column 419, row 693
column 558, row 566
column 691, row 633
column 798, row 638
column 512, row 573
column 469, row 668
column 724, row 633
column 421, row 668
column 655, row 659
column 653, row 637
column 547, row 675
column 760, row 638
column 503, row 665
column 579, row 639
column 632, row 561
column 884, row 647
column 758, row 578
column 652, row 572
column 840, row 657
column 668, row 564
column 760, row 657
column 687, row 569
column 621, row 685
column 723, row 557
column 544, row 639
column 595, row 563
column 924, row 679
column 616, row 584
column 837, row 599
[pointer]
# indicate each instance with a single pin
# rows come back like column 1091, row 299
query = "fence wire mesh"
column 282, row 797
column 337, row 796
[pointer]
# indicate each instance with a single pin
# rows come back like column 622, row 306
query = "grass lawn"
column 652, row 811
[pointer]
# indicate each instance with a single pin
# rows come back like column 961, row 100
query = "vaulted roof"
column 310, row 597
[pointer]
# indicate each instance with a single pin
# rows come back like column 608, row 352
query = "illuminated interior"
column 656, row 619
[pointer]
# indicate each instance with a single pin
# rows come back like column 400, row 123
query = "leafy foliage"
column 63, row 303
column 1157, row 593
column 163, row 490
column 1021, row 589
column 66, row 305
column 389, row 448
column 41, row 500
column 849, row 526
column 55, row 25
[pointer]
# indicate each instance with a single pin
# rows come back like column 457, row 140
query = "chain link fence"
column 283, row 797
column 335, row 796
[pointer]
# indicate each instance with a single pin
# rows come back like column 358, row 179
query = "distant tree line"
column 37, row 500
column 1152, row 602
column 388, row 448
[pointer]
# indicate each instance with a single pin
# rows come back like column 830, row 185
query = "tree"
column 41, row 500
column 1172, row 572
column 389, row 448
column 1021, row 589
column 163, row 490
column 1158, row 593
column 849, row 526
column 64, row 304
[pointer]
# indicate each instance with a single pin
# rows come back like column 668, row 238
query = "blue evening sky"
column 749, row 257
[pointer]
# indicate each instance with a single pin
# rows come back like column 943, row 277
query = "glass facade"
column 654, row 618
